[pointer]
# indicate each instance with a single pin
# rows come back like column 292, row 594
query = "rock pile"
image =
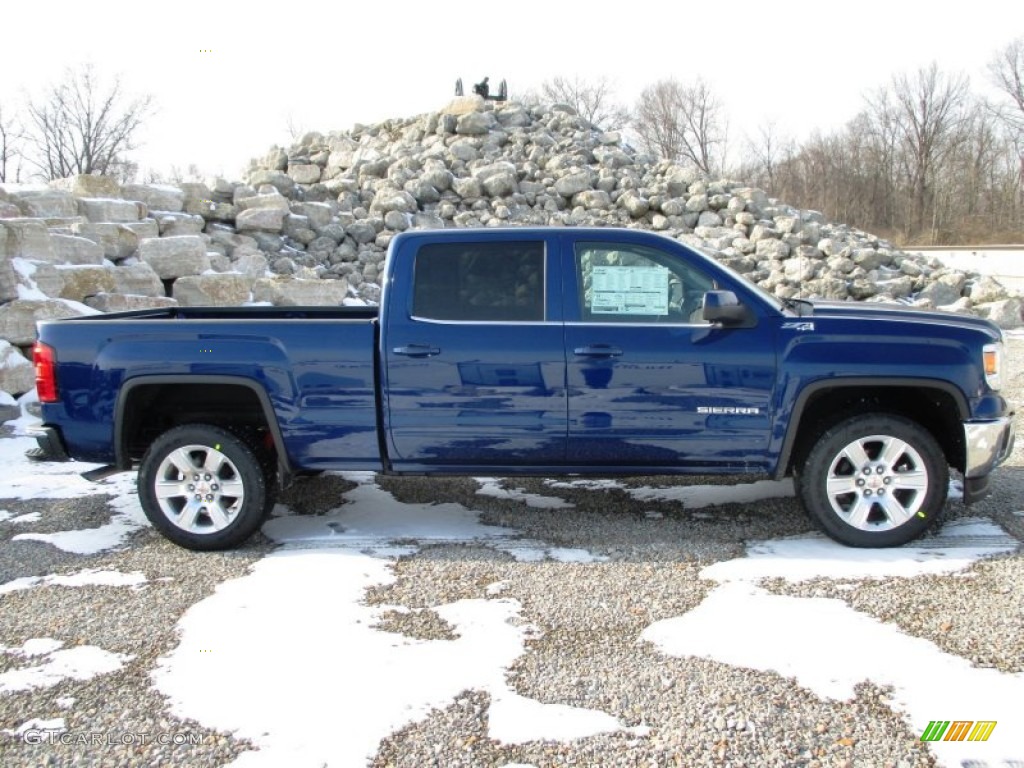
column 311, row 224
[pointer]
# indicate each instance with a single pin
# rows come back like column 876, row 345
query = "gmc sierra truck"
column 534, row 351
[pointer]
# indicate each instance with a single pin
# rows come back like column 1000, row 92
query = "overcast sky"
column 228, row 78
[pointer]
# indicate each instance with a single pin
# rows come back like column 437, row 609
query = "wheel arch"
column 937, row 406
column 148, row 403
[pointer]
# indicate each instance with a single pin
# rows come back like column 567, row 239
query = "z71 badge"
column 798, row 326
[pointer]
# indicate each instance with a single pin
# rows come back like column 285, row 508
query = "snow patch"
column 492, row 486
column 86, row 578
column 80, row 663
column 699, row 496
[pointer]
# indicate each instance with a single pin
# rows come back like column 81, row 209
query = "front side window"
column 482, row 282
column 635, row 284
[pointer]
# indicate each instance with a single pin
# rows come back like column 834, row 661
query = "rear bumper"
column 988, row 445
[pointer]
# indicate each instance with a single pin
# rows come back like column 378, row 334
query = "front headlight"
column 992, row 357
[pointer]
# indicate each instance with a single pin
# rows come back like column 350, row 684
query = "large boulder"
column 18, row 318
column 71, row 249
column 262, row 219
column 138, row 279
column 88, row 185
column 83, row 281
column 293, row 292
column 17, row 374
column 99, row 209
column 157, row 197
column 46, row 204
column 28, row 239
column 174, row 257
column 220, row 290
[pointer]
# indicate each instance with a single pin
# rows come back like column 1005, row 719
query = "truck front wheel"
column 874, row 480
column 202, row 487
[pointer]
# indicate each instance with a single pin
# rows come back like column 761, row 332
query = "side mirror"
column 723, row 307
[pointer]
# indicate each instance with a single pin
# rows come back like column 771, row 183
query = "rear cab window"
column 480, row 282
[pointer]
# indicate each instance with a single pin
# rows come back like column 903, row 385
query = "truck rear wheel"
column 874, row 480
column 202, row 487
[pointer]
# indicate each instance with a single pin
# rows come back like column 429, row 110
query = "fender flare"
column 121, row 459
column 793, row 428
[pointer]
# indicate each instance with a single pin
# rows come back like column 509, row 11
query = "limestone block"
column 174, row 257
column 85, row 185
column 292, row 292
column 18, row 318
column 987, row 289
column 83, row 281
column 71, row 249
column 393, row 200
column 172, row 224
column 118, row 302
column 574, row 182
column 304, row 174
column 138, row 279
column 103, row 209
column 17, row 374
column 250, row 263
column 40, row 276
column 221, row 290
column 28, row 239
column 48, row 203
column 157, row 197
column 265, row 219
column 1005, row 313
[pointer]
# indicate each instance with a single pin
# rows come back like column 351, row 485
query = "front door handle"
column 417, row 350
column 598, row 350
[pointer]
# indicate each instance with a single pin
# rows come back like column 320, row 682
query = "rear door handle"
column 598, row 350
column 417, row 350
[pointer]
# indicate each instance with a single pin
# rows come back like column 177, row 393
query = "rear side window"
column 479, row 282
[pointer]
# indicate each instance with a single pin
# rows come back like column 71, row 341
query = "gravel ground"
column 585, row 653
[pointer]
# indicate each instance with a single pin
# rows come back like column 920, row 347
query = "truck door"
column 650, row 382
column 474, row 355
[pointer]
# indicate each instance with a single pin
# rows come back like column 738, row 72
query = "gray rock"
column 390, row 199
column 771, row 249
column 986, row 289
column 1005, row 313
column 100, row 209
column 138, row 279
column 274, row 200
column 71, row 249
column 174, row 257
column 264, row 219
column 575, row 182
column 17, row 374
column 88, row 185
column 119, row 302
column 634, row 204
column 945, row 290
column 18, row 318
column 475, row 123
column 498, row 179
column 222, row 290
column 427, row 221
column 28, row 239
column 83, row 281
column 250, row 263
column 173, row 224
column 318, row 214
column 230, row 241
column 157, row 197
column 291, row 292
column 45, row 204
column 467, row 187
column 304, row 173
column 799, row 268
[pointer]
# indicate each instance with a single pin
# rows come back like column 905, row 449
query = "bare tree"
column 765, row 152
column 593, row 100
column 11, row 138
column 928, row 113
column 1006, row 71
column 682, row 122
column 79, row 126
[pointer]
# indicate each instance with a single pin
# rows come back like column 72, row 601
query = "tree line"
column 925, row 160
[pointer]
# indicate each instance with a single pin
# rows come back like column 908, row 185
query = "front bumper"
column 988, row 445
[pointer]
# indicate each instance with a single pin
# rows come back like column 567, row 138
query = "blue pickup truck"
column 534, row 351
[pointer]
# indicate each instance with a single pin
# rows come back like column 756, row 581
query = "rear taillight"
column 46, row 372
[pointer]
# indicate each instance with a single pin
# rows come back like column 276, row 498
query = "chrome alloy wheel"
column 199, row 489
column 877, row 483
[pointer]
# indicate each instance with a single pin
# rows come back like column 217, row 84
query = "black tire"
column 224, row 501
column 874, row 480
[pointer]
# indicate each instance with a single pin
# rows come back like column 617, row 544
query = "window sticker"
column 629, row 290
